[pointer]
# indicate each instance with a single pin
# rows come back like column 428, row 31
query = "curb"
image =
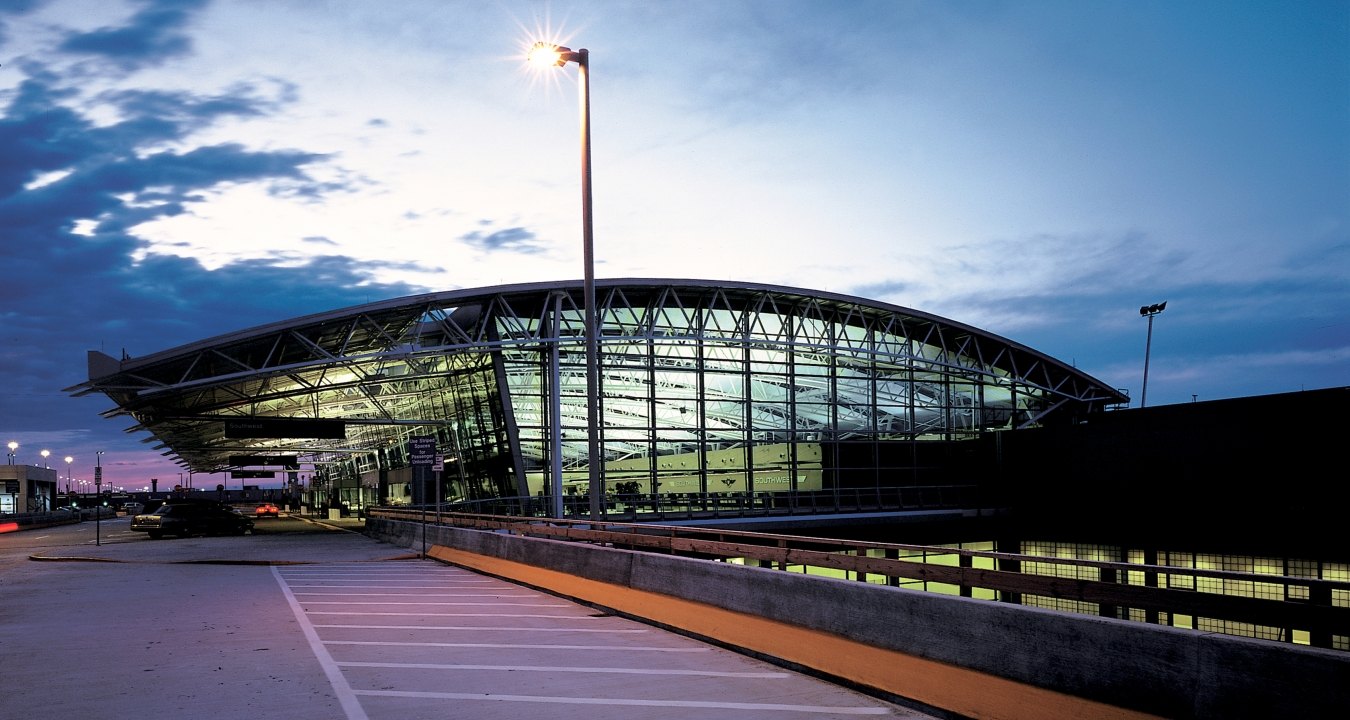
column 71, row 558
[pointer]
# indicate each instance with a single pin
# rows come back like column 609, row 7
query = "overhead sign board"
column 422, row 450
column 285, row 462
column 252, row 474
column 279, row 428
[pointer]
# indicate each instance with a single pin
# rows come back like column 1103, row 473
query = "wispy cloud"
column 152, row 36
column 514, row 239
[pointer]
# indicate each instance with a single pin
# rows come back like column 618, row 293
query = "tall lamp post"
column 98, row 497
column 45, row 454
column 69, row 460
column 544, row 54
column 13, row 446
column 1148, row 311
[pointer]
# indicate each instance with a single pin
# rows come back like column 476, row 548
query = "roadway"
column 306, row 620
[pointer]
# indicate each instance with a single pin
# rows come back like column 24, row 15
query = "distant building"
column 26, row 489
column 704, row 387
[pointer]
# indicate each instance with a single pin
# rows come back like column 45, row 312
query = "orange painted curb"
column 966, row 692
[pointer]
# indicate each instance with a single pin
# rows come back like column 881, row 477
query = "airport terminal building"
column 704, row 388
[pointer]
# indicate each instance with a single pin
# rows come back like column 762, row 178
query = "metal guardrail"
column 1319, row 607
column 704, row 505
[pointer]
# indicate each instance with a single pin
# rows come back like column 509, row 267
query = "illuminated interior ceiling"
column 391, row 369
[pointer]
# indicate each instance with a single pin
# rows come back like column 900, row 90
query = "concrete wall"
column 1187, row 468
column 1025, row 662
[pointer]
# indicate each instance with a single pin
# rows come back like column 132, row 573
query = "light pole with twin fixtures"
column 1149, row 311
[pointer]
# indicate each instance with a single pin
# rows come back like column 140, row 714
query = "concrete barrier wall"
column 28, row 521
column 1148, row 669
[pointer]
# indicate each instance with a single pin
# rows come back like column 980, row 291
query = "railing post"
column 1320, row 595
column 1151, row 580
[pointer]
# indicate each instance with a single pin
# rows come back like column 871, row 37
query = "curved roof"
column 375, row 365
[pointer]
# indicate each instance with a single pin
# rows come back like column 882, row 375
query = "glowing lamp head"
column 544, row 55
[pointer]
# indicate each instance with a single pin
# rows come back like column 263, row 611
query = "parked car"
column 267, row 509
column 133, row 508
column 186, row 518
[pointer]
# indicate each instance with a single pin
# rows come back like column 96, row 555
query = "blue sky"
column 173, row 170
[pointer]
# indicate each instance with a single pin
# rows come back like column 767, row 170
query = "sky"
column 171, row 170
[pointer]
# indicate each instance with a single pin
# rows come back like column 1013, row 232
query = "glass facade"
column 704, row 388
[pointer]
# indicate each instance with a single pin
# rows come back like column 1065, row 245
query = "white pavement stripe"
column 429, row 595
column 514, row 646
column 462, row 579
column 367, row 570
column 404, row 572
column 517, row 628
column 712, row 705
column 295, row 571
column 351, row 705
column 393, row 582
column 373, row 581
column 363, row 602
column 568, row 669
column 364, row 613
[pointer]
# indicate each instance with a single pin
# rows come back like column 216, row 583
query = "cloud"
column 515, row 239
column 880, row 290
column 153, row 36
column 81, row 170
column 15, row 8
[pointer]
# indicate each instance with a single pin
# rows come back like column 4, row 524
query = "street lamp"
column 544, row 54
column 69, row 460
column 98, row 496
column 12, row 447
column 1148, row 311
column 45, row 454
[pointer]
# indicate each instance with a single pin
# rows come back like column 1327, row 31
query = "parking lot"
column 322, row 624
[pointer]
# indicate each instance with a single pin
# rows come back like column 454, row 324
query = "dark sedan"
column 186, row 519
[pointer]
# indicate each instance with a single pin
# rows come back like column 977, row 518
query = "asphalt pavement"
column 308, row 619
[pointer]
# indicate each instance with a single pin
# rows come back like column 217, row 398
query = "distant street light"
column 12, row 447
column 69, row 460
column 98, row 497
column 1148, row 311
column 45, row 454
column 545, row 54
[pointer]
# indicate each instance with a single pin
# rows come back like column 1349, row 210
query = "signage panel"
column 285, row 462
column 252, row 474
column 422, row 451
column 284, row 428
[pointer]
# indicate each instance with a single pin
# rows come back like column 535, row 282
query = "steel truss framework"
column 704, row 386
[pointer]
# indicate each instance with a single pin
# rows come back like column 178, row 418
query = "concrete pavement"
column 331, row 624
